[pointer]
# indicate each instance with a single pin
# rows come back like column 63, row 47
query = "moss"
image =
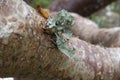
column 61, row 24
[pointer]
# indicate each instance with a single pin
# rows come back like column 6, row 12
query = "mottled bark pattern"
column 27, row 51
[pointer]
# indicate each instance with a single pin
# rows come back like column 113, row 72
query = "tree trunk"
column 82, row 7
column 27, row 51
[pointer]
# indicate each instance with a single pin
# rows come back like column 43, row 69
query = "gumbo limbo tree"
column 50, row 49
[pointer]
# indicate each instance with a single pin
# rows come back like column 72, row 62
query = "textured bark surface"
column 82, row 7
column 27, row 51
column 90, row 32
column 87, row 30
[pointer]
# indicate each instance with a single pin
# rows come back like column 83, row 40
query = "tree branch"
column 27, row 51
column 90, row 32
column 87, row 30
column 82, row 7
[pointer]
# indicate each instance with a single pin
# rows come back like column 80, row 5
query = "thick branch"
column 87, row 30
column 82, row 7
column 27, row 51
column 90, row 32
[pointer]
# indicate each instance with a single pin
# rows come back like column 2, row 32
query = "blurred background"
column 107, row 17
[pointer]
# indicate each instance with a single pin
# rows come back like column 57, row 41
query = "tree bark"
column 87, row 30
column 27, row 51
column 82, row 7
column 90, row 32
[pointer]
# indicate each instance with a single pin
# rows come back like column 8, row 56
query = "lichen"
column 61, row 27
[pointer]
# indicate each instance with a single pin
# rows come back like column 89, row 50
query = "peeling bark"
column 82, row 7
column 27, row 51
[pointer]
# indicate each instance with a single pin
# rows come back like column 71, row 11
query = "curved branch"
column 82, row 7
column 87, row 30
column 27, row 51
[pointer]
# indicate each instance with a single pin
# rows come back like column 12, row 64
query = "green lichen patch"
column 59, row 25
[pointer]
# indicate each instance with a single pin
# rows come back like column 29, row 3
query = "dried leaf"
column 44, row 12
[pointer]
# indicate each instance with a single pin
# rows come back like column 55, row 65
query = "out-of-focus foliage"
column 109, row 16
column 98, row 20
column 115, row 7
column 42, row 3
